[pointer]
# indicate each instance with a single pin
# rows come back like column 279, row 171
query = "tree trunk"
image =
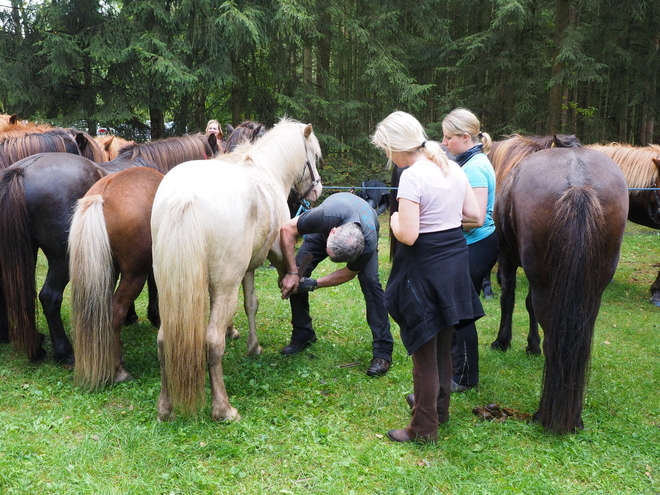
column 236, row 94
column 157, row 123
column 562, row 20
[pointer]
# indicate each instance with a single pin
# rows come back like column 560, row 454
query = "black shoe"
column 457, row 388
column 297, row 345
column 379, row 366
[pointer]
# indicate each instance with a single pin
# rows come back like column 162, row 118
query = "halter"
column 308, row 166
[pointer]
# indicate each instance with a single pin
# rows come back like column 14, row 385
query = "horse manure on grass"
column 496, row 414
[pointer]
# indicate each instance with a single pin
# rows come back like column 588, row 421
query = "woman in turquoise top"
column 464, row 139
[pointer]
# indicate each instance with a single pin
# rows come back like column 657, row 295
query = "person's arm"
column 288, row 238
column 405, row 222
column 481, row 195
column 337, row 277
column 471, row 212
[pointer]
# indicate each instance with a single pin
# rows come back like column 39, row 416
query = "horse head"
column 309, row 186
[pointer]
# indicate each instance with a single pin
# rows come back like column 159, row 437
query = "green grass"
column 310, row 425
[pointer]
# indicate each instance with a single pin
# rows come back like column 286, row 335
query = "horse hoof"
column 256, row 351
column 230, row 414
column 123, row 376
column 165, row 417
column 498, row 346
column 232, row 333
column 533, row 352
column 655, row 300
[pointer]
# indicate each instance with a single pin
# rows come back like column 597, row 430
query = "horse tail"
column 92, row 283
column 576, row 243
column 181, row 273
column 18, row 265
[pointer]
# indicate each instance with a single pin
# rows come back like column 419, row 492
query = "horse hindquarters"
column 18, row 255
column 92, row 283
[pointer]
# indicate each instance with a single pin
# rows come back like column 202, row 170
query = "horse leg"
column 51, row 301
column 164, row 403
column 507, row 275
column 124, row 297
column 222, row 310
column 655, row 291
column 533, row 338
column 251, row 306
column 152, row 308
column 131, row 316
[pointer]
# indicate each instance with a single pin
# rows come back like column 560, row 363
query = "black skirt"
column 430, row 288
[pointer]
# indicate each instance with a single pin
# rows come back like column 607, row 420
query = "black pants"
column 374, row 297
column 482, row 256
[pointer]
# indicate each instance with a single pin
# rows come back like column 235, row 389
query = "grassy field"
column 312, row 424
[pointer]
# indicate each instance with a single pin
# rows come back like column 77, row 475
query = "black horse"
column 37, row 197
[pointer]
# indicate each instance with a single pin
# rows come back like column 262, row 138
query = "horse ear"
column 657, row 163
column 308, row 130
column 108, row 142
column 13, row 119
column 230, row 129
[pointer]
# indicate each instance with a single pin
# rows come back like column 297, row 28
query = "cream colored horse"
column 212, row 226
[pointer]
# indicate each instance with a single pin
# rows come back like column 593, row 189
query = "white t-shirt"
column 440, row 197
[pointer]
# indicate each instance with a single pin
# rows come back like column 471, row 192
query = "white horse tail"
column 181, row 273
column 92, row 284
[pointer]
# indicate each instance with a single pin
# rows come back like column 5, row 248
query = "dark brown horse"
column 37, row 197
column 640, row 167
column 560, row 214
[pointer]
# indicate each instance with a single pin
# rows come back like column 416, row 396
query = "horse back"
column 53, row 182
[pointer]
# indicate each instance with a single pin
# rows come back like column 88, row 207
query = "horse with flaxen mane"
column 110, row 239
column 112, row 145
column 640, row 167
column 37, row 197
column 560, row 214
column 212, row 227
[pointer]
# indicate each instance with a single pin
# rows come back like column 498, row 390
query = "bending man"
column 345, row 228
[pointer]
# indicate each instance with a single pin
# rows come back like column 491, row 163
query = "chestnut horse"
column 640, row 167
column 37, row 197
column 211, row 228
column 560, row 214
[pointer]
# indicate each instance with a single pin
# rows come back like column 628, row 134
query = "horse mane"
column 248, row 130
column 55, row 140
column 279, row 141
column 165, row 154
column 635, row 162
column 507, row 154
column 10, row 123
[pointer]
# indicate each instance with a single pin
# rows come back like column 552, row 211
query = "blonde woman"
column 429, row 290
column 463, row 139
